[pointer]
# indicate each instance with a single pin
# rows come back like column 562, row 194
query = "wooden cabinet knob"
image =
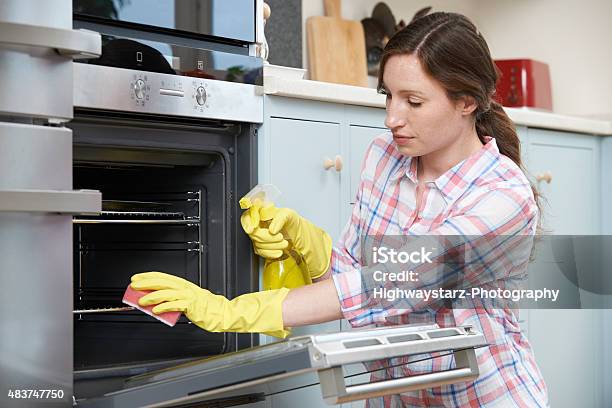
column 336, row 163
column 546, row 176
column 266, row 11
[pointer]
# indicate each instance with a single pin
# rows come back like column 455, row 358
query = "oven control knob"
column 139, row 89
column 201, row 95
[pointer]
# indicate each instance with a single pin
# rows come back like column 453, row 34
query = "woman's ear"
column 467, row 105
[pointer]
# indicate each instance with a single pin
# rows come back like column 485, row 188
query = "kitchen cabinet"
column 297, row 154
column 298, row 150
column 573, row 195
column 606, row 185
column 296, row 141
column 362, row 126
column 522, row 134
column 606, row 199
column 293, row 144
column 566, row 168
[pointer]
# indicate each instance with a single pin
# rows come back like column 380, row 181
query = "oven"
column 130, row 159
column 167, row 134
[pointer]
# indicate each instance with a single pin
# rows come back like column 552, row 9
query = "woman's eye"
column 415, row 104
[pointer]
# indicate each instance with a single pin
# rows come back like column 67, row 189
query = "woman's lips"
column 403, row 140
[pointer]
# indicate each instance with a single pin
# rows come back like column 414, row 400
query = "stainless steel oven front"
column 171, row 155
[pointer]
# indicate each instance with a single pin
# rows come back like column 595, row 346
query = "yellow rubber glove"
column 265, row 244
column 312, row 243
column 259, row 312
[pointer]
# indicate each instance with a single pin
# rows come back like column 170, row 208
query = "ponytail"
column 496, row 123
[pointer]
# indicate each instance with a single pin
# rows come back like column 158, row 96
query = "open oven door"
column 249, row 376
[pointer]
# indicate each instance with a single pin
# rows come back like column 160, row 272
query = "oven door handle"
column 51, row 201
column 335, row 390
column 71, row 43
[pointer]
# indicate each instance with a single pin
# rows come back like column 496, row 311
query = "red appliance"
column 524, row 83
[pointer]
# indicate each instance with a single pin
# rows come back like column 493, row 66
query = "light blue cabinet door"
column 572, row 194
column 567, row 343
column 606, row 214
column 298, row 150
column 360, row 138
column 363, row 125
column 522, row 132
column 606, row 185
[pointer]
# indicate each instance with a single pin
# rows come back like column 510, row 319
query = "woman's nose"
column 393, row 120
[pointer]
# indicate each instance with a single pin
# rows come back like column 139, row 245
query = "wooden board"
column 336, row 51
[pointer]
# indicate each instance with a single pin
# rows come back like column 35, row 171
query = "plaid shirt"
column 484, row 194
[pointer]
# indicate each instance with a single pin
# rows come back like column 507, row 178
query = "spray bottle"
column 286, row 271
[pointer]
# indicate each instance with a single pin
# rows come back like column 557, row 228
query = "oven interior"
column 167, row 195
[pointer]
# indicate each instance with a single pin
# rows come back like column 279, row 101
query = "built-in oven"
column 167, row 134
column 164, row 126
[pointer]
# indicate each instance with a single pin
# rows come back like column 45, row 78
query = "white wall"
column 573, row 37
column 360, row 9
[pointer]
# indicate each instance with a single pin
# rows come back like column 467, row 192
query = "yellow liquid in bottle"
column 283, row 272
column 286, row 271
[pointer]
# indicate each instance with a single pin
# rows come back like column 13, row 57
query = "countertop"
column 355, row 95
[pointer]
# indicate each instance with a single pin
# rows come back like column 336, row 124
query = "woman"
column 450, row 165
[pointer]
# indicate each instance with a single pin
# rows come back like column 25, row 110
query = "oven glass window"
column 167, row 58
column 232, row 19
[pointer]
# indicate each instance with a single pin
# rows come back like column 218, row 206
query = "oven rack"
column 118, row 246
column 168, row 214
column 158, row 211
column 139, row 217
column 101, row 300
column 104, row 310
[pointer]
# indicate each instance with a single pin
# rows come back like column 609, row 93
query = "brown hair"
column 451, row 49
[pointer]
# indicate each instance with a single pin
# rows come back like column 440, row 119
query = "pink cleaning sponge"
column 131, row 297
